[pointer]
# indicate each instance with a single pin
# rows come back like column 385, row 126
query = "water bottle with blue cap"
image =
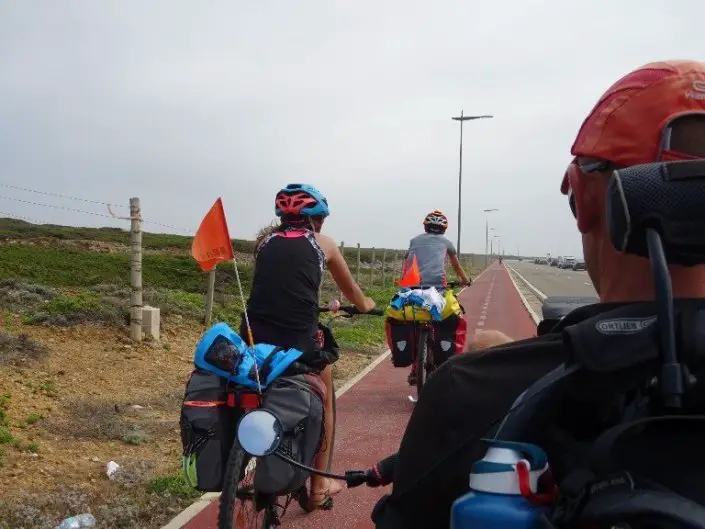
column 504, row 489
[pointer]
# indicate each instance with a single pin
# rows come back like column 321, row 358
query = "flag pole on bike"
column 211, row 245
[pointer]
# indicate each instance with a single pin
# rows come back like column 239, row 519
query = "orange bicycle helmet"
column 436, row 221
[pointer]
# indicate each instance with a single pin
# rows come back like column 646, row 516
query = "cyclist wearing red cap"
column 654, row 113
column 283, row 303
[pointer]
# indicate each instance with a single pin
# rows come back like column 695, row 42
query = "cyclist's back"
column 283, row 302
column 653, row 122
column 431, row 251
column 288, row 270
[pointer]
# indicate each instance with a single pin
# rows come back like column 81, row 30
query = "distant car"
column 579, row 264
column 567, row 262
column 554, row 261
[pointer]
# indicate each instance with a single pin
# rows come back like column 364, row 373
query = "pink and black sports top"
column 289, row 268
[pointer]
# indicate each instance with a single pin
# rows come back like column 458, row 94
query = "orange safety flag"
column 411, row 276
column 212, row 243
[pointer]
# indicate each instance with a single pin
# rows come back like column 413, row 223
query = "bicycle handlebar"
column 351, row 310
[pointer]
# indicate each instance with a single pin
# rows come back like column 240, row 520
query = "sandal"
column 315, row 501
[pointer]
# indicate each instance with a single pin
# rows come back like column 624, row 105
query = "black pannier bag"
column 449, row 338
column 400, row 339
column 207, row 430
column 298, row 402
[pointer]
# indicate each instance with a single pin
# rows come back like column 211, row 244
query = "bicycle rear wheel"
column 237, row 508
column 421, row 354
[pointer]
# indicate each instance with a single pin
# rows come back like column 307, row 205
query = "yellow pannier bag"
column 414, row 313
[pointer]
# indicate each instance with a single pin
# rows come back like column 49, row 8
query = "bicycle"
column 423, row 336
column 267, row 510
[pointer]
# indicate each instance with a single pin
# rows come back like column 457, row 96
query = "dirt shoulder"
column 75, row 398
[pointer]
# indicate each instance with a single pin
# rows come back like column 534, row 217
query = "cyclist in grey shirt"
column 431, row 250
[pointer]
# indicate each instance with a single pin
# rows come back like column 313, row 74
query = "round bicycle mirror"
column 259, row 433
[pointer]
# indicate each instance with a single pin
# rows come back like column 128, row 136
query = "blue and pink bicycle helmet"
column 300, row 199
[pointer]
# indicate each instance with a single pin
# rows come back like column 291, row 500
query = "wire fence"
column 381, row 267
column 150, row 262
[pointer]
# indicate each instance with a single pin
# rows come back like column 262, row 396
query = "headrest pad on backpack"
column 668, row 197
column 555, row 307
column 626, row 336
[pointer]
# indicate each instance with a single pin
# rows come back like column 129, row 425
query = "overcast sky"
column 181, row 102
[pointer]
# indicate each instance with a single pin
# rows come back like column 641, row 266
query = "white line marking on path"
column 350, row 383
column 528, row 308
column 535, row 290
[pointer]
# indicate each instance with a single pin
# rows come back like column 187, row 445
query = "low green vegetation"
column 53, row 283
column 173, row 485
column 5, row 436
column 66, row 267
column 362, row 332
column 19, row 229
column 33, row 418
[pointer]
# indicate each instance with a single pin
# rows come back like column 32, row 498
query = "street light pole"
column 462, row 118
column 487, row 232
column 492, row 246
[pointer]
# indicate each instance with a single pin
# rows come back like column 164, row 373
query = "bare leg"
column 322, row 488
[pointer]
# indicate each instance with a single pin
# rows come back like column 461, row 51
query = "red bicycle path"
column 373, row 414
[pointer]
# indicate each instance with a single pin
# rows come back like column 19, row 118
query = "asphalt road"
column 554, row 282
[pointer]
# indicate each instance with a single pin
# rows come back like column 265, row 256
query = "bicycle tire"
column 269, row 523
column 226, row 503
column 421, row 347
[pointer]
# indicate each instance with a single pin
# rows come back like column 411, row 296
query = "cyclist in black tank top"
column 283, row 302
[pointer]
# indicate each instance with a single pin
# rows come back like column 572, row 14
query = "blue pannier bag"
column 223, row 352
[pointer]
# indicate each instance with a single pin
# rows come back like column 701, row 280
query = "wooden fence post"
column 372, row 268
column 135, row 270
column 209, row 297
column 384, row 268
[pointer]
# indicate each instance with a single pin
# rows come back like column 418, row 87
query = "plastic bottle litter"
column 111, row 468
column 78, row 522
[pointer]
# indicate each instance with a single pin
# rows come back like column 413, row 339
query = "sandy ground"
column 90, row 396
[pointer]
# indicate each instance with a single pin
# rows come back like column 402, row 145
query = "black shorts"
column 308, row 342
column 265, row 332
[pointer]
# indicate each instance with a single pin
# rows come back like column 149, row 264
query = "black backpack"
column 623, row 419
column 617, row 454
